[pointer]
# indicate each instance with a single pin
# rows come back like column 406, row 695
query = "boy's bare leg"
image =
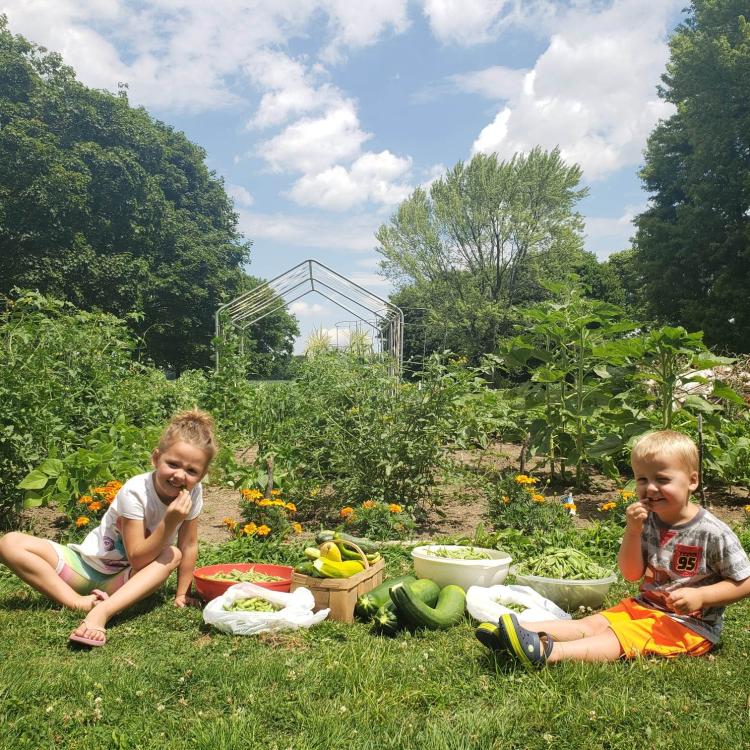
column 570, row 630
column 602, row 647
column 34, row 561
column 588, row 639
column 140, row 584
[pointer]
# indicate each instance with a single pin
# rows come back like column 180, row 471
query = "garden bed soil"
column 458, row 508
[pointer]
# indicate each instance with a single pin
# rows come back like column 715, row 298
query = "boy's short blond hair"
column 655, row 444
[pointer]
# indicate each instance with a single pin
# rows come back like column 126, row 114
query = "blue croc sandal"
column 488, row 635
column 530, row 648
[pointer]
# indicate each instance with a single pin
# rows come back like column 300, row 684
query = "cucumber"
column 387, row 619
column 307, row 569
column 448, row 611
column 367, row 604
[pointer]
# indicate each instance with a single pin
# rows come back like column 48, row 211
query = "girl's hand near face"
column 178, row 509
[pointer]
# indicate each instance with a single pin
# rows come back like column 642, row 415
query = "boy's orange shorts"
column 641, row 630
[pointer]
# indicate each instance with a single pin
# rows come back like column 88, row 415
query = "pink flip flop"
column 82, row 639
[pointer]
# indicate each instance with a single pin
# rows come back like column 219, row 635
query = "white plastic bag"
column 487, row 604
column 297, row 611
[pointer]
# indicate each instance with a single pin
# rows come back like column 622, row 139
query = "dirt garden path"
column 460, row 507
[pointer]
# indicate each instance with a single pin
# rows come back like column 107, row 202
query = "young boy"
column 691, row 565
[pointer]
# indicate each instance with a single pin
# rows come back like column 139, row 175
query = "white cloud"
column 240, row 195
column 497, row 82
column 183, row 54
column 371, row 177
column 311, row 145
column 606, row 235
column 356, row 234
column 593, row 91
column 306, row 309
column 468, row 22
column 290, row 88
column 361, row 23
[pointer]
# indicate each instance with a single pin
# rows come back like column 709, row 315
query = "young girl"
column 133, row 551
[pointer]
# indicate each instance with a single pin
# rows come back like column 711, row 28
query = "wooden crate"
column 340, row 594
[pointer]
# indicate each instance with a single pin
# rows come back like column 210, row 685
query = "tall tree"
column 475, row 244
column 693, row 242
column 110, row 209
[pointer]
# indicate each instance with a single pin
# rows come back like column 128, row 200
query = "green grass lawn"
column 165, row 681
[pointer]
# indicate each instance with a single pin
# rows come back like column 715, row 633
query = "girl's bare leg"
column 140, row 584
column 34, row 561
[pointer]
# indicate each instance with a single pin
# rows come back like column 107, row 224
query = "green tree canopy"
column 693, row 242
column 480, row 241
column 107, row 208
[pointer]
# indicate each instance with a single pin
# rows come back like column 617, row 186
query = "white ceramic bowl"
column 569, row 594
column 463, row 573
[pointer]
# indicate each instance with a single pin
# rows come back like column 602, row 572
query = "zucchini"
column 448, row 611
column 326, row 535
column 367, row 604
column 387, row 619
column 307, row 569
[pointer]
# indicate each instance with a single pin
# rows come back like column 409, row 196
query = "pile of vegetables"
column 465, row 553
column 251, row 604
column 563, row 562
column 406, row 602
column 240, row 576
column 338, row 555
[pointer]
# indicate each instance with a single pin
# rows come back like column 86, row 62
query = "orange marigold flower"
column 395, row 508
column 263, row 530
column 368, row 504
column 245, row 493
column 747, row 509
column 95, row 506
column 346, row 512
column 506, row 500
column 291, row 507
column 626, row 494
column 607, row 506
column 249, row 529
column 82, row 521
column 99, row 490
column 230, row 523
column 569, row 506
column 537, row 498
column 113, row 484
column 280, row 503
column 297, row 528
column 85, row 499
column 265, row 502
column 275, row 493
column 524, row 479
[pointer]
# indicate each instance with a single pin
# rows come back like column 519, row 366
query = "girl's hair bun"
column 195, row 427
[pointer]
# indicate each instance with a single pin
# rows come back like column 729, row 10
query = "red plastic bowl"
column 209, row 589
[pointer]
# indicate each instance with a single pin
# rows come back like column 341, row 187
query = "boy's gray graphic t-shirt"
column 700, row 552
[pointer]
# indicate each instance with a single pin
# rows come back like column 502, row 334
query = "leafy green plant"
column 116, row 451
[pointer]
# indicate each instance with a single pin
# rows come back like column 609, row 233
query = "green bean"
column 563, row 562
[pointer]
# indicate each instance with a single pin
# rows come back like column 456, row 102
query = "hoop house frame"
column 386, row 319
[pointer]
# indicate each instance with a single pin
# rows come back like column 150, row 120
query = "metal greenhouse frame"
column 386, row 320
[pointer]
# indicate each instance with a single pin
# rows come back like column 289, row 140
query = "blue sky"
column 322, row 115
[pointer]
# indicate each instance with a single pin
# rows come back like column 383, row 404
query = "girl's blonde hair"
column 654, row 445
column 195, row 427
